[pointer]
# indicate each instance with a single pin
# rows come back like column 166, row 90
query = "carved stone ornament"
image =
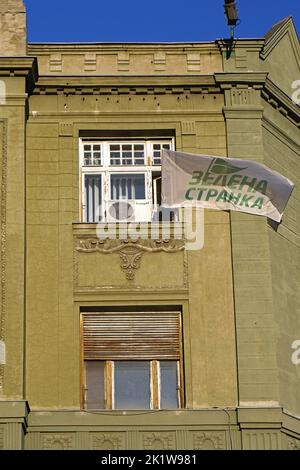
column 57, row 441
column 209, row 441
column 293, row 444
column 130, row 251
column 108, row 441
column 159, row 441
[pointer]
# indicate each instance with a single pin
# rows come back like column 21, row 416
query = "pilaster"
column 251, row 264
column 17, row 77
column 13, row 424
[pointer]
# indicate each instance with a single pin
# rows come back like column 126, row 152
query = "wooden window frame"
column 154, row 376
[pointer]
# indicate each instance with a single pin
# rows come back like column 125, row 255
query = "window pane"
column 97, row 158
column 93, row 198
column 168, row 384
column 128, row 186
column 139, row 183
column 94, row 380
column 87, row 158
column 132, row 385
column 127, row 148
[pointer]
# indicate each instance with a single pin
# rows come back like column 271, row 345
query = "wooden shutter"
column 149, row 335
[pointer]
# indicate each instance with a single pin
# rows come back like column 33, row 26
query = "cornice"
column 248, row 44
column 227, row 80
column 20, row 67
column 75, row 48
column 115, row 84
column 279, row 100
column 269, row 91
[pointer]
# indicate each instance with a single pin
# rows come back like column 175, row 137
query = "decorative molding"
column 75, row 264
column 82, row 440
column 186, row 270
column 244, row 96
column 32, row 440
column 130, row 251
column 66, row 129
column 131, row 262
column 58, row 441
column 159, row 441
column 227, row 80
column 108, row 441
column 55, row 63
column 128, row 84
column 241, row 59
column 123, row 60
column 1, row 437
column 20, row 67
column 124, row 90
column 280, row 134
column 282, row 102
column 188, row 127
column 159, row 61
column 293, row 444
column 193, row 62
column 209, row 440
column 133, row 440
column 249, row 45
column 3, row 240
column 182, row 439
column 261, row 440
column 13, row 436
column 90, row 62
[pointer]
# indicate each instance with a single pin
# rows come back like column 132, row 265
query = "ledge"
column 281, row 101
column 232, row 78
column 22, row 67
column 14, row 410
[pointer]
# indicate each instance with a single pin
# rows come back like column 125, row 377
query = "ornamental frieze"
column 130, row 251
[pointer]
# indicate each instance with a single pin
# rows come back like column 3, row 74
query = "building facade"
column 138, row 342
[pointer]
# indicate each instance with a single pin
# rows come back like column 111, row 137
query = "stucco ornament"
column 130, row 250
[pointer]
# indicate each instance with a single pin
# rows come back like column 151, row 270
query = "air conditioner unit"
column 128, row 211
column 120, row 211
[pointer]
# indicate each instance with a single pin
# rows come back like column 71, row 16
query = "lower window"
column 132, row 361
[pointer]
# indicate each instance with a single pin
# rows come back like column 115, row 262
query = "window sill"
column 162, row 230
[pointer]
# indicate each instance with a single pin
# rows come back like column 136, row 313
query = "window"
column 121, row 180
column 132, row 361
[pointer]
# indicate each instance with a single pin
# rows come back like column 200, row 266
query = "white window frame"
column 106, row 170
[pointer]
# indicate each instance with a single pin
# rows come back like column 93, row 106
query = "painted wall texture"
column 239, row 295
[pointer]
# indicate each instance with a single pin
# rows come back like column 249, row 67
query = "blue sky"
column 155, row 20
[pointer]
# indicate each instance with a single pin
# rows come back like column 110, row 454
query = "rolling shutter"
column 117, row 336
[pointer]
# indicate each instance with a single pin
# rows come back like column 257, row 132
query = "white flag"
column 224, row 184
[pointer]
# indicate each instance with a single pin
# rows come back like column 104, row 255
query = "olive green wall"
column 12, row 122
column 53, row 345
column 282, row 152
column 281, row 142
column 238, row 295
